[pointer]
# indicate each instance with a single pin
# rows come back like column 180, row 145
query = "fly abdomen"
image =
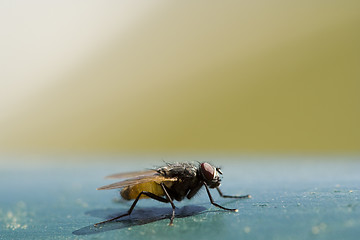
column 131, row 192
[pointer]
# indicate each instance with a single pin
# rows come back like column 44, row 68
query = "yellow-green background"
column 193, row 76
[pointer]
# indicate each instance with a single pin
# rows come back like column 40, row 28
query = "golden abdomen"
column 132, row 192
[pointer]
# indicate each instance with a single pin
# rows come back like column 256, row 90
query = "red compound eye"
column 207, row 171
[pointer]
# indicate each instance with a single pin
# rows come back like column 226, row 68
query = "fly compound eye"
column 208, row 171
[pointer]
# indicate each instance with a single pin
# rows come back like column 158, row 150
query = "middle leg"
column 171, row 202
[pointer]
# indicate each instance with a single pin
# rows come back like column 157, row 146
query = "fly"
column 175, row 181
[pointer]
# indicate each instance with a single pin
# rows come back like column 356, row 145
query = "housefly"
column 174, row 181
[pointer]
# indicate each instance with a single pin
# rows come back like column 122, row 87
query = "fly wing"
column 137, row 180
column 132, row 174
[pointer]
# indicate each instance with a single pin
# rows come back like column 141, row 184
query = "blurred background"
column 105, row 77
column 268, row 90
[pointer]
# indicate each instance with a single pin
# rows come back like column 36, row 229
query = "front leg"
column 228, row 196
column 215, row 204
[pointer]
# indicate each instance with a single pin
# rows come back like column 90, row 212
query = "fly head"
column 210, row 174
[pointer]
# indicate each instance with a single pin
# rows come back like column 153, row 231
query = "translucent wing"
column 132, row 174
column 136, row 180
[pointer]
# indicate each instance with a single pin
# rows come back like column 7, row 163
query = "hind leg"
column 149, row 194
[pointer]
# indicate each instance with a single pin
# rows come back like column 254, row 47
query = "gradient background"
column 268, row 90
column 179, row 77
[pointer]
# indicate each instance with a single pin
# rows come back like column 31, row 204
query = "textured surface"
column 297, row 199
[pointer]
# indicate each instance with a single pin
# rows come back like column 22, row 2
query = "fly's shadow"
column 138, row 217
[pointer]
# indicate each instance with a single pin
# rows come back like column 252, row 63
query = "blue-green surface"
column 295, row 198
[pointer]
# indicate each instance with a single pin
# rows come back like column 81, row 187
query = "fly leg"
column 171, row 202
column 228, row 196
column 215, row 204
column 149, row 194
